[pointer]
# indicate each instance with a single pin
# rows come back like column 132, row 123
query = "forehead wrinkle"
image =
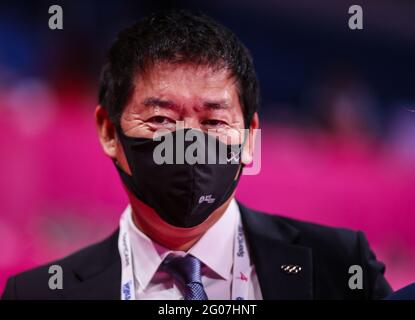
column 156, row 103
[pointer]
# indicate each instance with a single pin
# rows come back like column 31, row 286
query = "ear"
column 106, row 132
column 248, row 151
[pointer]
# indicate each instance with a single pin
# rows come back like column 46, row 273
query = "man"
column 183, row 235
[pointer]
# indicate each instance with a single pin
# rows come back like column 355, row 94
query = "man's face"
column 197, row 96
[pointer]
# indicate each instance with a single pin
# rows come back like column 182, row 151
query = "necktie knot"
column 187, row 270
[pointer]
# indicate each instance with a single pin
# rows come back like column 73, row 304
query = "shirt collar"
column 148, row 255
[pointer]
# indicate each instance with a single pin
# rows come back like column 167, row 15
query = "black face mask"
column 182, row 194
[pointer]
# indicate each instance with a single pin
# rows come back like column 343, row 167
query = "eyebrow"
column 221, row 104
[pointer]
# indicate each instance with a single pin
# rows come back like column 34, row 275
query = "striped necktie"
column 187, row 271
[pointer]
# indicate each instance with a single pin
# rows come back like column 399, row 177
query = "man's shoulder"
column 321, row 232
column 90, row 260
column 75, row 259
column 306, row 231
column 328, row 251
column 406, row 293
column 336, row 247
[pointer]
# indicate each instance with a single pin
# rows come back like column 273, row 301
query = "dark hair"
column 175, row 36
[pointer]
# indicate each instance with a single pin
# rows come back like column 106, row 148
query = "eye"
column 213, row 122
column 160, row 120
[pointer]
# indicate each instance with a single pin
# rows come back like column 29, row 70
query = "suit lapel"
column 104, row 286
column 99, row 275
column 271, row 241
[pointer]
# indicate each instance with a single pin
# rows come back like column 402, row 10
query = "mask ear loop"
column 118, row 132
column 120, row 136
column 246, row 134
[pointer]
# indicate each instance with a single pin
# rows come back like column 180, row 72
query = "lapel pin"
column 291, row 268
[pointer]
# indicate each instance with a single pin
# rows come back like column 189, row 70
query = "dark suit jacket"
column 324, row 254
column 407, row 293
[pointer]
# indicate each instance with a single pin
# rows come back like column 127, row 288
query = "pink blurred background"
column 338, row 165
column 59, row 192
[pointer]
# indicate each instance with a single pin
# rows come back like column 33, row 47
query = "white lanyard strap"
column 127, row 273
column 241, row 265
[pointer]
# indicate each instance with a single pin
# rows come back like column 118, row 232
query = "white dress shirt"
column 215, row 249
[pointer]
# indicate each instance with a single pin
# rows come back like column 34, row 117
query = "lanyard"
column 241, row 265
column 241, row 262
column 124, row 247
